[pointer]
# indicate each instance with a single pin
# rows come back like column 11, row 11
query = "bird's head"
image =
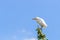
column 36, row 18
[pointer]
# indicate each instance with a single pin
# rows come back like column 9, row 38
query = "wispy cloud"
column 30, row 39
column 24, row 31
column 23, row 34
column 14, row 37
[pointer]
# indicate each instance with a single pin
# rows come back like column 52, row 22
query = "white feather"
column 41, row 22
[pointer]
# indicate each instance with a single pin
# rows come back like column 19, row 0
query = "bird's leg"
column 41, row 28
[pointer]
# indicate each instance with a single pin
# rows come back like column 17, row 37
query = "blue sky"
column 16, row 19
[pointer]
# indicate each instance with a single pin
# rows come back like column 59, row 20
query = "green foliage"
column 40, row 35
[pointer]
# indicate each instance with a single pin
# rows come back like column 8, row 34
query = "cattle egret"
column 40, row 21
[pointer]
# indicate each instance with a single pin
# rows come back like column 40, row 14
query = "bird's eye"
column 41, row 21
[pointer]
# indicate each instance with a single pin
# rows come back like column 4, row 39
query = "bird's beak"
column 33, row 18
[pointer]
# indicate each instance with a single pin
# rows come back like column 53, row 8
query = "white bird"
column 41, row 22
